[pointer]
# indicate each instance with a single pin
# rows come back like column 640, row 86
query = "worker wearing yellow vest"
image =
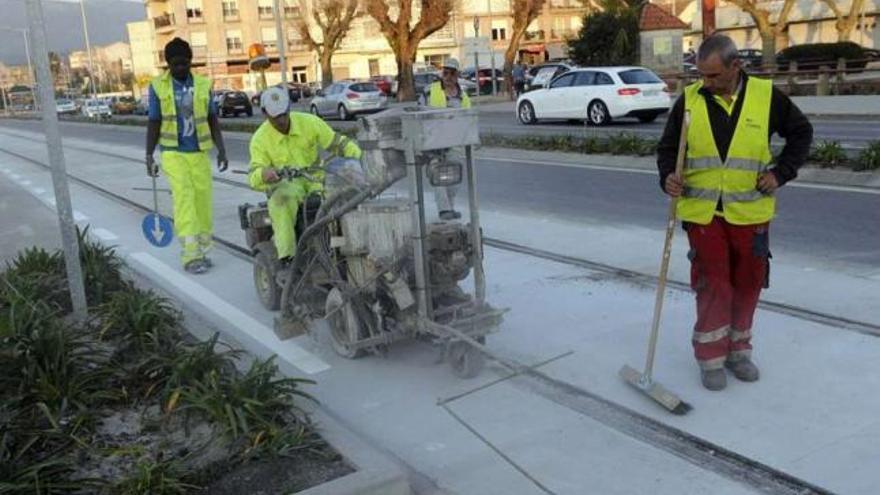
column 447, row 93
column 290, row 139
column 727, row 198
column 183, row 121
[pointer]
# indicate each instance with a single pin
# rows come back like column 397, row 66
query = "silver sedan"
column 347, row 99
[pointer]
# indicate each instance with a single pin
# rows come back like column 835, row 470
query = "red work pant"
column 729, row 267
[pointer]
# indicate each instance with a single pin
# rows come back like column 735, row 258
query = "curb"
column 375, row 472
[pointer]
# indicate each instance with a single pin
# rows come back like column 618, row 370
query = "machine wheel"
column 527, row 113
column 343, row 113
column 345, row 327
column 465, row 360
column 268, row 290
column 597, row 113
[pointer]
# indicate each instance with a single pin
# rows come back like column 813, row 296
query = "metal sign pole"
column 281, row 42
column 82, row 7
column 69, row 239
column 27, row 51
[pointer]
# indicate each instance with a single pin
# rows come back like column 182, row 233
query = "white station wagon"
column 599, row 95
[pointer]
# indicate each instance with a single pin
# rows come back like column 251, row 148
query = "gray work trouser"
column 445, row 196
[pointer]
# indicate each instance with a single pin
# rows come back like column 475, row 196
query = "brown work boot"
column 714, row 379
column 743, row 369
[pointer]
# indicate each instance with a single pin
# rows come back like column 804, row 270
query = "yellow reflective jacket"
column 299, row 148
column 164, row 89
column 437, row 97
column 734, row 181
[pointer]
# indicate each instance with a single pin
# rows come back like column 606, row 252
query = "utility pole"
column 477, row 53
column 27, row 52
column 69, row 239
column 82, row 8
column 281, row 42
column 491, row 49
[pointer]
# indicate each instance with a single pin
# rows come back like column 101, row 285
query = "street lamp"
column 27, row 51
column 82, row 8
column 281, row 40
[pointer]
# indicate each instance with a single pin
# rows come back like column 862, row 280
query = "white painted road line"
column 286, row 349
column 25, row 182
column 38, row 191
column 79, row 217
column 15, row 177
column 104, row 234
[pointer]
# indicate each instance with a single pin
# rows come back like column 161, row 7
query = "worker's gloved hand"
column 222, row 162
column 674, row 185
column 152, row 168
column 767, row 183
column 270, row 175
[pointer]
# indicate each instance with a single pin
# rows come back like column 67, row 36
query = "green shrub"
column 869, row 158
column 155, row 477
column 102, row 269
column 811, row 56
column 829, row 154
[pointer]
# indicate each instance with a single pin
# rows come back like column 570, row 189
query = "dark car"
column 485, row 79
column 751, row 58
column 235, row 103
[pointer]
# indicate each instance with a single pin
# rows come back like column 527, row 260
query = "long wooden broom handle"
column 667, row 249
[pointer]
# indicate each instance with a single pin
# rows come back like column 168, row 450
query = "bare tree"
column 845, row 22
column 524, row 12
column 333, row 18
column 404, row 40
column 768, row 30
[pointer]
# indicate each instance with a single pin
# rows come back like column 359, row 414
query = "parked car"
column 65, row 107
column 541, row 75
column 598, row 95
column 235, row 103
column 347, row 99
column 142, row 107
column 750, row 58
column 96, row 109
column 384, row 83
column 123, row 105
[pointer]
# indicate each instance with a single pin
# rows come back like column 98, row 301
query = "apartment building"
column 143, row 45
column 221, row 31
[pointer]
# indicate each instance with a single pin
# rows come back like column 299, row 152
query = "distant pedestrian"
column 519, row 79
column 727, row 198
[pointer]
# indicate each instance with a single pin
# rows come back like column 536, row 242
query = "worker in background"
column 447, row 93
column 290, row 139
column 519, row 79
column 728, row 198
column 183, row 122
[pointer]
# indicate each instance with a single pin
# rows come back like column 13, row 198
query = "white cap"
column 451, row 63
column 275, row 101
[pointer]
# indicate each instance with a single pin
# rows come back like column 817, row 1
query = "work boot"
column 196, row 267
column 714, row 379
column 743, row 369
column 449, row 215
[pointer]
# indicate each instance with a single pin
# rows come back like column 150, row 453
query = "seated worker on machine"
column 290, row 139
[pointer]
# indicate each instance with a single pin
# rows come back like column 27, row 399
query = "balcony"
column 164, row 22
column 565, row 4
column 561, row 34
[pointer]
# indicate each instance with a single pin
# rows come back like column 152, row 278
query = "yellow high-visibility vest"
column 734, row 181
column 437, row 97
column 164, row 89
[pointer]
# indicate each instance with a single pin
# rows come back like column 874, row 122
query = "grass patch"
column 829, row 154
column 869, row 158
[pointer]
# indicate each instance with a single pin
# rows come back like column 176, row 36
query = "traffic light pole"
column 69, row 239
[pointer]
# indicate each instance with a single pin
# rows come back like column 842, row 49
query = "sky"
column 106, row 18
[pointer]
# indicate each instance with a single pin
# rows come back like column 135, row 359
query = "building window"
column 270, row 38
column 374, row 67
column 194, row 11
column 233, row 42
column 265, row 9
column 499, row 34
column 435, row 60
column 294, row 39
column 291, row 10
column 230, row 9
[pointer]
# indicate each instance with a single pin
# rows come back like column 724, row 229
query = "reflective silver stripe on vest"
column 200, row 120
column 205, row 139
column 337, row 146
column 166, row 135
column 698, row 193
column 742, row 197
column 169, row 118
column 710, row 162
column 711, row 337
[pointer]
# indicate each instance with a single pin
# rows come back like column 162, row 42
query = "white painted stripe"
column 38, row 191
column 288, row 350
column 15, row 176
column 25, row 182
column 79, row 217
column 104, row 234
column 608, row 168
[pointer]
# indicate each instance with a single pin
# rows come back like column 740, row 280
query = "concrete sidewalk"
column 812, row 415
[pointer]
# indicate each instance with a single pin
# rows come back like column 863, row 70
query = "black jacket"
column 786, row 119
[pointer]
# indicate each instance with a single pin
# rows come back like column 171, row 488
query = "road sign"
column 157, row 229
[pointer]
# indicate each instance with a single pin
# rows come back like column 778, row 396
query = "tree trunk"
column 510, row 55
column 768, row 49
column 406, row 58
column 326, row 58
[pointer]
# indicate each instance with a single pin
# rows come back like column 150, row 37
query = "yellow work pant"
column 283, row 207
column 189, row 175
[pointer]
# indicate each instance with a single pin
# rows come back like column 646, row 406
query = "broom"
column 644, row 382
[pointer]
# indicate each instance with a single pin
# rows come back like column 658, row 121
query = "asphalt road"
column 835, row 225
